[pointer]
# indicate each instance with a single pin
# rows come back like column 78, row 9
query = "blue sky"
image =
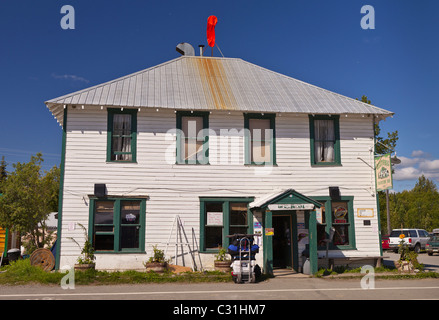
column 317, row 41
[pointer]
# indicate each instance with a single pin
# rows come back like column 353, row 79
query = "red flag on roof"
column 211, row 22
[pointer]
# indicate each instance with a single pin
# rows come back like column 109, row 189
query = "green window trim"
column 337, row 156
column 205, row 116
column 118, row 226
column 133, row 135
column 226, row 220
column 329, row 222
column 247, row 137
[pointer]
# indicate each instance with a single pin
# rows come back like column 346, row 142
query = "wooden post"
column 268, row 243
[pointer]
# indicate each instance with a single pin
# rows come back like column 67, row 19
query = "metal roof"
column 209, row 83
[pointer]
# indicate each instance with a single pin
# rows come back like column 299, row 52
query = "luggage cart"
column 243, row 251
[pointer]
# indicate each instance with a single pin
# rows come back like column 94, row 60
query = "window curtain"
column 261, row 137
column 122, row 136
column 324, row 140
column 192, row 144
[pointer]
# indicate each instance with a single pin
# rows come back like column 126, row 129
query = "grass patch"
column 22, row 272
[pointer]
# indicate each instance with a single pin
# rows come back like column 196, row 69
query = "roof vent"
column 185, row 49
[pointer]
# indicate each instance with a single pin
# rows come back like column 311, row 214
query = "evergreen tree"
column 416, row 208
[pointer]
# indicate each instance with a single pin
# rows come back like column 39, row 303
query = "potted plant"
column 222, row 262
column 87, row 258
column 408, row 260
column 157, row 262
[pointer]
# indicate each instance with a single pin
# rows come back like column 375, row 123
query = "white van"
column 416, row 239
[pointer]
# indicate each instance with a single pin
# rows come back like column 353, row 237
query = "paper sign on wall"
column 365, row 213
column 214, row 218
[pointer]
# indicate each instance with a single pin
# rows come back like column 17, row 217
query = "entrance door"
column 282, row 241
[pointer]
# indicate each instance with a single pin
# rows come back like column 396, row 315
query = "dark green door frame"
column 311, row 221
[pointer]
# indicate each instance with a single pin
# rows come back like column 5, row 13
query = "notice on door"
column 269, row 231
column 302, row 234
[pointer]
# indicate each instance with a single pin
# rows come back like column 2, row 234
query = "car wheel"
column 417, row 248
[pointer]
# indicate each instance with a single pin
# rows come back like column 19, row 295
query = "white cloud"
column 419, row 164
column 429, row 165
column 420, row 154
column 407, row 162
column 70, row 77
column 408, row 173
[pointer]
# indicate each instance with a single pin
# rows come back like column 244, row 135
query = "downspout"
column 61, row 190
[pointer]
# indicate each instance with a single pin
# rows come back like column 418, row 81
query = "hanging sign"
column 383, row 172
column 290, row 206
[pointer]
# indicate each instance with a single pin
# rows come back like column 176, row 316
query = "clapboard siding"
column 175, row 189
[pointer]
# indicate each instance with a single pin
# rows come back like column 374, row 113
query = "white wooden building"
column 226, row 146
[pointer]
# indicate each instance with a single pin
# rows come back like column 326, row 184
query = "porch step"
column 288, row 273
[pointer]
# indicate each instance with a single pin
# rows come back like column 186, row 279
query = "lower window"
column 222, row 217
column 340, row 222
column 118, row 225
column 339, row 215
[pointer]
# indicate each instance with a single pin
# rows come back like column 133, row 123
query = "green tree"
column 416, row 208
column 383, row 146
column 3, row 172
column 28, row 198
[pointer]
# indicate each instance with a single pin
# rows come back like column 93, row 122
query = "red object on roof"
column 211, row 22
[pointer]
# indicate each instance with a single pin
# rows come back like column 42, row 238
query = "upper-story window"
column 192, row 138
column 122, row 134
column 260, row 139
column 325, row 140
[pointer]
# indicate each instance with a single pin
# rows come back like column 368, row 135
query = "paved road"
column 279, row 288
column 274, row 289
